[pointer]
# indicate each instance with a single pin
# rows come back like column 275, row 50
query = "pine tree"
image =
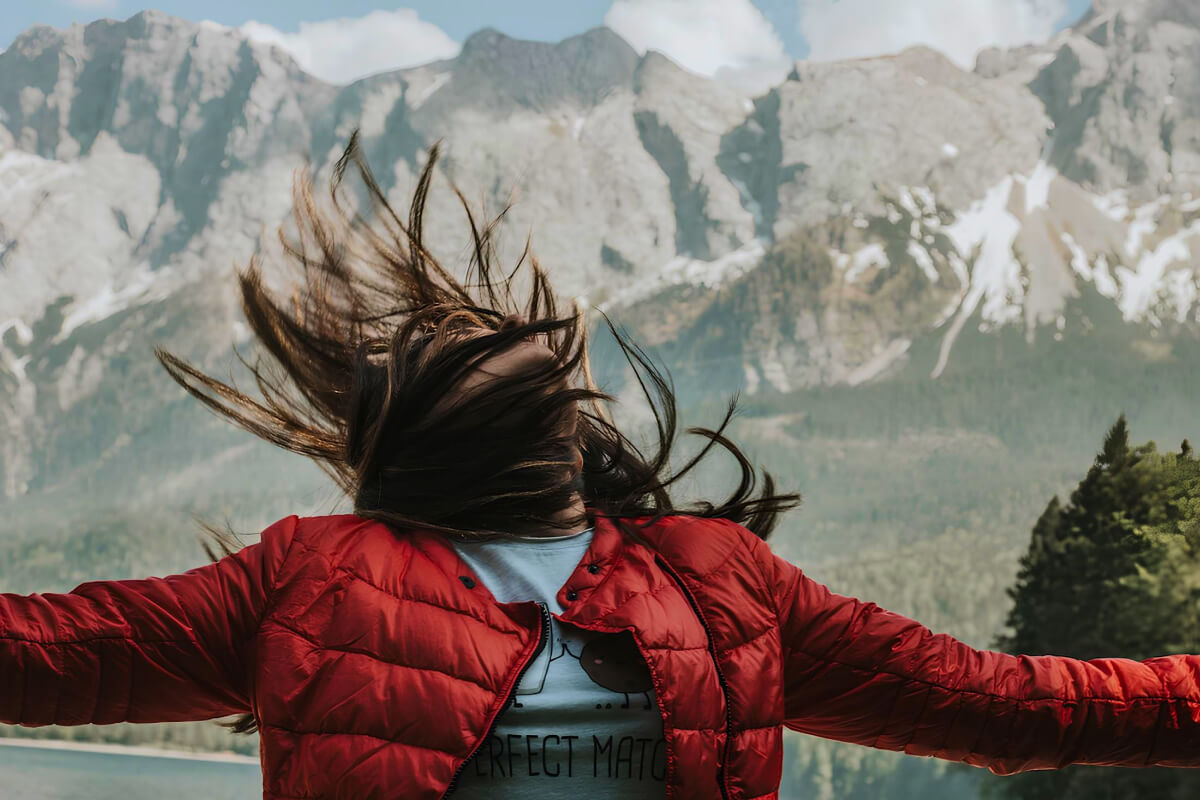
column 1039, row 613
column 1114, row 572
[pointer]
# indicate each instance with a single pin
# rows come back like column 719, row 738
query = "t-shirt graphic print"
column 583, row 722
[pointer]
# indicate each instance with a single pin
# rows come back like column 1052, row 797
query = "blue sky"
column 700, row 34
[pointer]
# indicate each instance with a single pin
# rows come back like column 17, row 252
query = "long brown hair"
column 371, row 339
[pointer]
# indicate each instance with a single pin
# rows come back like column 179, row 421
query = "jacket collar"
column 614, row 568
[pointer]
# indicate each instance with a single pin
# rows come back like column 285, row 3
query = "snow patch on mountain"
column 1163, row 274
column 1114, row 205
column 1139, row 257
column 1037, row 187
column 919, row 254
column 863, row 259
column 23, row 332
column 987, row 231
column 875, row 366
column 427, row 90
column 984, row 235
column 139, row 285
column 71, row 229
column 1141, row 225
column 684, row 271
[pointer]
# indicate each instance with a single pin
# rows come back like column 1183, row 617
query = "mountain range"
column 141, row 159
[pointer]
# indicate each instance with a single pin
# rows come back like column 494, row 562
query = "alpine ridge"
column 921, row 199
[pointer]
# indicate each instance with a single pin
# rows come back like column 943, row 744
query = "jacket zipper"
column 722, row 777
column 543, row 632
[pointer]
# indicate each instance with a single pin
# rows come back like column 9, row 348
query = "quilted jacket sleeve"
column 146, row 650
column 859, row 673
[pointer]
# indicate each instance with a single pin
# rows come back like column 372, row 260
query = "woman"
column 515, row 607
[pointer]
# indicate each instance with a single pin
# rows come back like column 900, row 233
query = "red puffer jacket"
column 375, row 663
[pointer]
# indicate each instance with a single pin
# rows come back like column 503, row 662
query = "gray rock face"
column 497, row 73
column 200, row 102
column 681, row 119
column 1124, row 95
column 846, row 134
column 804, row 236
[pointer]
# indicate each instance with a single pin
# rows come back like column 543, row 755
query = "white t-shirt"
column 584, row 723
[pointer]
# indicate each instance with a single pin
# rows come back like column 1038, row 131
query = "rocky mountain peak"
column 930, row 197
column 499, row 71
column 658, row 74
column 198, row 100
column 1122, row 91
column 1140, row 12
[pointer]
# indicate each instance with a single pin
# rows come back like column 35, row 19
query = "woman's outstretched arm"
column 147, row 650
column 859, row 673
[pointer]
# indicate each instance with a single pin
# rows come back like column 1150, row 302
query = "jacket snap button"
column 572, row 595
column 468, row 581
column 593, row 568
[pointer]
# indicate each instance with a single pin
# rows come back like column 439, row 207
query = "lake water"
column 36, row 773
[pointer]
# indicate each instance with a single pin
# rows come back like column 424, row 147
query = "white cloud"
column 756, row 78
column 98, row 5
column 346, row 49
column 728, row 39
column 838, row 29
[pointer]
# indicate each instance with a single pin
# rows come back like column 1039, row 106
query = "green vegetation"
column 112, row 545
column 920, row 494
column 1113, row 572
